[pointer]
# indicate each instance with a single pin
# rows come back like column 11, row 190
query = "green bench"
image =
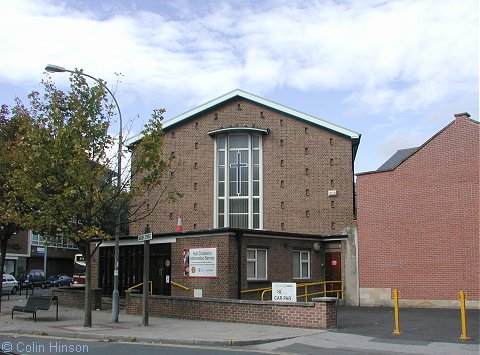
column 36, row 303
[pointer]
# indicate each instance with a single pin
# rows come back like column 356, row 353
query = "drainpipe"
column 239, row 236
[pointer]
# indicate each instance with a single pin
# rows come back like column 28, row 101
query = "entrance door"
column 160, row 275
column 333, row 271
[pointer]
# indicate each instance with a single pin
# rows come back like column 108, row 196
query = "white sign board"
column 144, row 237
column 200, row 262
column 284, row 292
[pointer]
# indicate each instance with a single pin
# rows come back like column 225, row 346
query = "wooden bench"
column 35, row 303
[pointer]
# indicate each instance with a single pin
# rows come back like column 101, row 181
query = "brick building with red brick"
column 268, row 196
column 418, row 222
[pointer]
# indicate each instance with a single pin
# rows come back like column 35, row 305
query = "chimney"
column 462, row 115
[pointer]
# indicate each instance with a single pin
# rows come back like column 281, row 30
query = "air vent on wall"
column 332, row 193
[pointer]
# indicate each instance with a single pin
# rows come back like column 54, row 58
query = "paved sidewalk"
column 129, row 328
column 360, row 330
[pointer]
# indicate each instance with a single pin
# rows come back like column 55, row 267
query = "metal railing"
column 335, row 287
column 178, row 285
column 150, row 284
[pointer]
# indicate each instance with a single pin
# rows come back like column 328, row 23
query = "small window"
column 196, row 145
column 307, row 171
column 256, row 264
column 173, row 135
column 301, row 264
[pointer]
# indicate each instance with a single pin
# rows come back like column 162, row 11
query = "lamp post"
column 116, row 295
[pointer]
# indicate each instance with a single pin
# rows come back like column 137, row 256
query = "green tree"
column 11, row 216
column 64, row 167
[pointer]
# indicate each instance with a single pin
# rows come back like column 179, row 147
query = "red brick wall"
column 280, row 265
column 225, row 285
column 222, row 286
column 319, row 315
column 76, row 297
column 419, row 224
column 329, row 159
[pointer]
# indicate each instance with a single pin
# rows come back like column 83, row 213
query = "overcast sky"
column 395, row 71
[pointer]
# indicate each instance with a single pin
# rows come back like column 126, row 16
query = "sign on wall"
column 284, row 292
column 199, row 262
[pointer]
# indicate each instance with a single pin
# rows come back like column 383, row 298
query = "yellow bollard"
column 463, row 316
column 396, row 312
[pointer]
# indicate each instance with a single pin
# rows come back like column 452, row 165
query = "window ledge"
column 258, row 280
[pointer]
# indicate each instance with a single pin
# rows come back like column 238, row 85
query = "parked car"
column 9, row 284
column 60, row 280
column 33, row 278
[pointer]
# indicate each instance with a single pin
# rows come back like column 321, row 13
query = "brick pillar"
column 327, row 308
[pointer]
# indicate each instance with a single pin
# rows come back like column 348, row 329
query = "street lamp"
column 116, row 295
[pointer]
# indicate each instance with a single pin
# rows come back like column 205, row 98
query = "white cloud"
column 395, row 56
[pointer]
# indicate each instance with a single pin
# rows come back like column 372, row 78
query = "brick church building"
column 418, row 222
column 268, row 197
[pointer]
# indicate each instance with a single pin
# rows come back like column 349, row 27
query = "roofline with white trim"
column 261, row 101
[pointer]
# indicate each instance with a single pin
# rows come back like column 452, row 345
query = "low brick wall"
column 317, row 315
column 75, row 297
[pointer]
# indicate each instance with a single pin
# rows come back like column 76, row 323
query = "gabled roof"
column 396, row 159
column 403, row 154
column 264, row 102
column 261, row 101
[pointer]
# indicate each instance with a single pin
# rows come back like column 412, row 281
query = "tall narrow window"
column 238, row 181
column 256, row 264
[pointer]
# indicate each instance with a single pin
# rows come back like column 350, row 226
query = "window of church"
column 238, row 181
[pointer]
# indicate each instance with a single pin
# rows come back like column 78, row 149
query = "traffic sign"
column 144, row 237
